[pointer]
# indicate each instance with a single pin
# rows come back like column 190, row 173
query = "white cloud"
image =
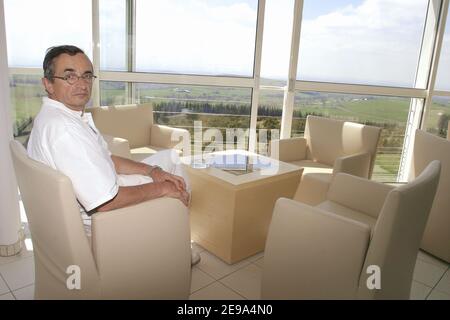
column 376, row 42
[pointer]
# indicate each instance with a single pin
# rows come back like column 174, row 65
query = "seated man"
column 66, row 139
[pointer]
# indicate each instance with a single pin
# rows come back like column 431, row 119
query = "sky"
column 356, row 41
column 366, row 42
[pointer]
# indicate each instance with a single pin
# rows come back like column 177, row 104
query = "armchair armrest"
column 355, row 164
column 351, row 192
column 312, row 254
column 143, row 251
column 118, row 146
column 168, row 137
column 288, row 149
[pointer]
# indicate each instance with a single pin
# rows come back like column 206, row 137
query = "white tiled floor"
column 213, row 279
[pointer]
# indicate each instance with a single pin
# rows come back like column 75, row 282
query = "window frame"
column 421, row 98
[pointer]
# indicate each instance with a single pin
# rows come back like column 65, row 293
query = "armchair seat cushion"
column 311, row 166
column 343, row 211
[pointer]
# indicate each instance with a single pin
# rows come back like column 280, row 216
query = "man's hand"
column 159, row 175
column 170, row 190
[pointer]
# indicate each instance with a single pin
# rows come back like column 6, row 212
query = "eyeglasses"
column 72, row 78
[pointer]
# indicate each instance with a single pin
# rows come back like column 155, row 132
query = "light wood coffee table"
column 230, row 214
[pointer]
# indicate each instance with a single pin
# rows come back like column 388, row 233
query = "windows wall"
column 438, row 113
column 249, row 64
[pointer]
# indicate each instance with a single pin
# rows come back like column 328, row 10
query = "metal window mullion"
column 256, row 75
column 435, row 61
column 178, row 79
column 26, row 71
column 441, row 93
column 289, row 95
column 131, row 47
column 96, row 51
column 306, row 86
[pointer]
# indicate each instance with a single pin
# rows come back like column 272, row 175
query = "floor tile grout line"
column 4, row 280
column 10, row 291
column 1, row 277
column 202, row 288
column 229, row 274
column 204, row 285
column 437, row 282
column 15, row 298
column 233, row 290
column 435, row 290
column 445, row 271
column 235, row 272
column 232, row 272
column 221, row 284
column 226, row 274
column 29, row 285
column 434, row 264
column 427, row 285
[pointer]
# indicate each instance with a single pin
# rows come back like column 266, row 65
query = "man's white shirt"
column 69, row 142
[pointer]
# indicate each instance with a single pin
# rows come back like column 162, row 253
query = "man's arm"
column 127, row 196
column 127, row 166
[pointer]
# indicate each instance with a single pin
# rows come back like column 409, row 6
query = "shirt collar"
column 56, row 104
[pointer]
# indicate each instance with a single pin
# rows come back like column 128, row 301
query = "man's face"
column 73, row 96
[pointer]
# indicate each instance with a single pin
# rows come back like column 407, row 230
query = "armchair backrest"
column 428, row 147
column 328, row 139
column 397, row 234
column 58, row 235
column 132, row 122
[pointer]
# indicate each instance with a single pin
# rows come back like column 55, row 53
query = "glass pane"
column 113, row 35
column 443, row 74
column 363, row 42
column 113, row 93
column 34, row 26
column 223, row 108
column 439, row 116
column 277, row 41
column 196, row 36
column 26, row 100
column 388, row 113
column 269, row 117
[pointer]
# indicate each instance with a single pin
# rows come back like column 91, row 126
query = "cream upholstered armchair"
column 133, row 125
column 137, row 252
column 330, row 251
column 329, row 146
column 428, row 147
